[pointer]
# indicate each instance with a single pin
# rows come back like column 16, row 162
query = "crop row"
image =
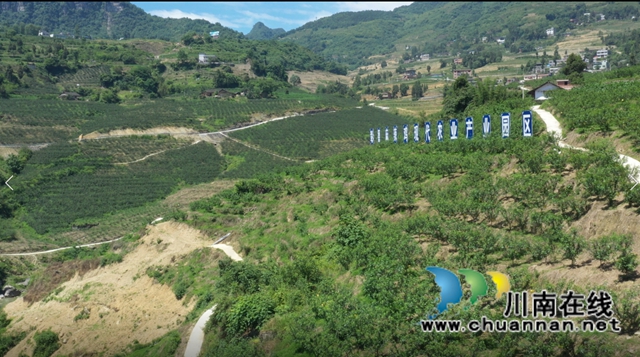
column 77, row 187
column 94, row 116
column 88, row 76
column 314, row 136
column 601, row 106
column 244, row 162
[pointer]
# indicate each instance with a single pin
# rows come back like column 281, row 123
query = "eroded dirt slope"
column 122, row 302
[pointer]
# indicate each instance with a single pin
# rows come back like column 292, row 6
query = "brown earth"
column 599, row 221
column 175, row 131
column 123, row 303
column 310, row 80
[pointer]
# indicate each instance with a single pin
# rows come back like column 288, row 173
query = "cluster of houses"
column 62, row 35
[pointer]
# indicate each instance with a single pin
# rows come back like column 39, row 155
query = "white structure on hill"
column 203, row 58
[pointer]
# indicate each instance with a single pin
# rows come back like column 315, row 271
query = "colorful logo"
column 451, row 288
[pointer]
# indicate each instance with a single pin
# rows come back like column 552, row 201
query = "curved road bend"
column 553, row 127
column 194, row 345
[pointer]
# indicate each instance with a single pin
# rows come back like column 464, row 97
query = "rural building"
column 551, row 31
column 203, row 58
column 409, row 74
column 600, row 17
column 484, row 39
column 511, row 80
column 538, row 68
column 603, row 53
column 208, row 93
column 43, row 33
column 69, row 96
column 223, row 93
column 500, row 40
column 386, row 95
column 540, row 93
column 460, row 72
column 424, row 57
column 457, row 60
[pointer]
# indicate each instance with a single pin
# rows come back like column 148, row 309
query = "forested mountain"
column 451, row 27
column 101, row 19
column 261, row 32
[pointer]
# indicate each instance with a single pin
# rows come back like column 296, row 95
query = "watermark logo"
column 451, row 288
column 545, row 307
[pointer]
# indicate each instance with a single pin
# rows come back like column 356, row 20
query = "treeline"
column 359, row 81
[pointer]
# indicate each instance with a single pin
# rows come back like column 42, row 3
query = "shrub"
column 46, row 343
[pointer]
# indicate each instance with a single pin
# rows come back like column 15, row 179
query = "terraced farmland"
column 63, row 184
column 319, row 135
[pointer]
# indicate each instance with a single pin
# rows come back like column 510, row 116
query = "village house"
column 603, row 53
column 500, row 41
column 43, row 33
column 540, row 93
column 203, row 58
column 551, row 31
column 409, row 74
column 600, row 17
column 460, row 72
column 511, row 80
column 424, row 57
column 484, row 39
column 457, row 60
column 386, row 95
column 538, row 68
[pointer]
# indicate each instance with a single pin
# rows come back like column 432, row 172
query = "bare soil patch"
column 175, row 131
column 184, row 197
column 310, row 80
column 123, row 304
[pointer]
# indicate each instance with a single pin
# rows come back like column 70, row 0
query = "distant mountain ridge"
column 108, row 19
column 261, row 32
column 448, row 27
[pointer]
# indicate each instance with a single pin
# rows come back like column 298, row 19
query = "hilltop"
column 107, row 19
column 261, row 32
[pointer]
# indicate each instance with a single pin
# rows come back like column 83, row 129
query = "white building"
column 540, row 93
column 500, row 40
column 551, row 31
column 424, row 57
column 602, row 53
column 43, row 33
column 203, row 58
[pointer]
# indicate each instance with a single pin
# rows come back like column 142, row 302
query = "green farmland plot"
column 75, row 186
column 244, row 162
column 21, row 120
column 320, row 135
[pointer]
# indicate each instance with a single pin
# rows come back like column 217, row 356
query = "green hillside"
column 440, row 27
column 105, row 19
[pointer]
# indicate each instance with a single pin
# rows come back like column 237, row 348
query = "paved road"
column 553, row 127
column 194, row 345
column 58, row 249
